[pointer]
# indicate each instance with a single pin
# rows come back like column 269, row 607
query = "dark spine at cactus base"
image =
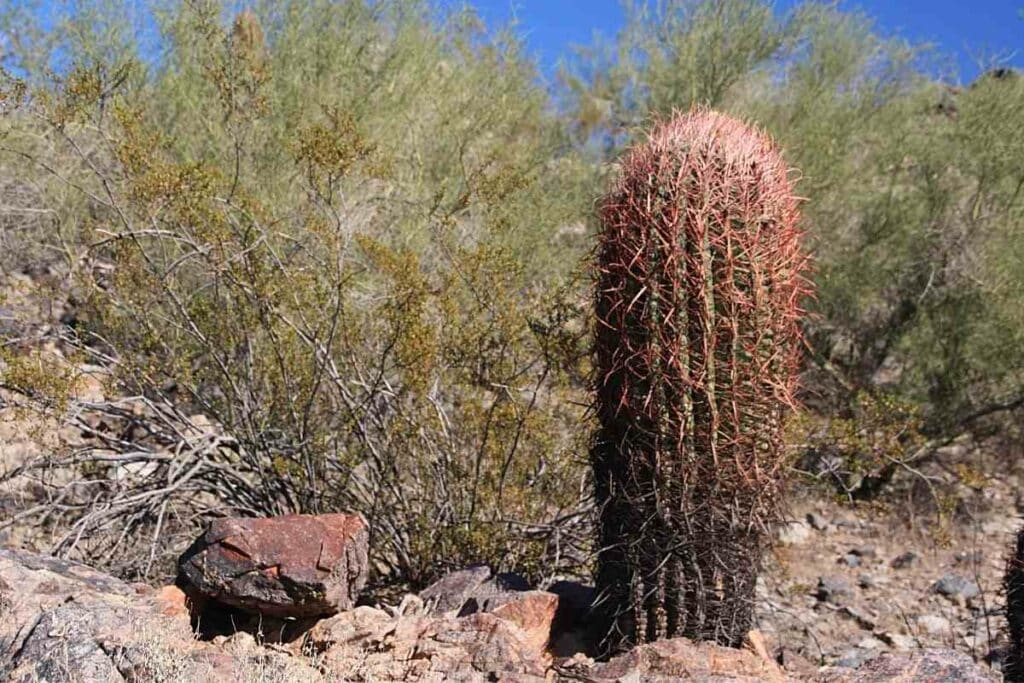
column 1013, row 667
column 699, row 282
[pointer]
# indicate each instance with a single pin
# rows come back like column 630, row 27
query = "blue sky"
column 964, row 30
column 959, row 28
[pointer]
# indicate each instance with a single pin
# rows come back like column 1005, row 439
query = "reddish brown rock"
column 62, row 621
column 289, row 566
column 532, row 611
column 679, row 659
column 368, row 644
column 171, row 601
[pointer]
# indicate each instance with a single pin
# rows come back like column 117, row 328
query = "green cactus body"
column 699, row 283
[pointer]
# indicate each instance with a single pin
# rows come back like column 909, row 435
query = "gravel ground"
column 844, row 584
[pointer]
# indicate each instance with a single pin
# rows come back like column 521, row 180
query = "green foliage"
column 860, row 450
column 34, row 374
column 349, row 232
column 327, row 227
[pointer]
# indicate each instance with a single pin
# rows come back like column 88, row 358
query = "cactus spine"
column 699, row 282
column 1013, row 583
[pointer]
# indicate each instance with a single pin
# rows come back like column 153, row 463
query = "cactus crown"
column 699, row 283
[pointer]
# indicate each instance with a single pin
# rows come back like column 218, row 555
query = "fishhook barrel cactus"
column 699, row 283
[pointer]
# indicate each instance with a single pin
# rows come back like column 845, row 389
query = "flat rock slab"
column 289, row 566
column 679, row 659
column 44, row 574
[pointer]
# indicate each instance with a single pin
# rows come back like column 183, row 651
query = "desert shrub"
column 858, row 451
column 327, row 229
column 364, row 221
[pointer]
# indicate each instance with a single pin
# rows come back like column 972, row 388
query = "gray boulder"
column 453, row 591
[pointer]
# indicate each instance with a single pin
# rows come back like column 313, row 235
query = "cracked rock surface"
column 292, row 566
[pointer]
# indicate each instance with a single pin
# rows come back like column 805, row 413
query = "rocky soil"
column 848, row 594
column 280, row 599
column 845, row 585
column 62, row 621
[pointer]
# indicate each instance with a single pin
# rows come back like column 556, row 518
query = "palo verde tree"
column 699, row 282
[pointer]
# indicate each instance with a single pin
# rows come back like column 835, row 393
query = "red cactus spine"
column 699, row 283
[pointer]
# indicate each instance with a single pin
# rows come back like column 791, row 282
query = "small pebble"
column 956, row 588
column 933, row 624
column 969, row 558
column 817, row 522
column 898, row 641
column 855, row 657
column 793, row 533
column 862, row 619
column 832, row 589
column 850, row 560
column 868, row 581
column 871, row 643
column 907, row 559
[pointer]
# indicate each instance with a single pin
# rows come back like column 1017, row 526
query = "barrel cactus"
column 699, row 284
column 1013, row 583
